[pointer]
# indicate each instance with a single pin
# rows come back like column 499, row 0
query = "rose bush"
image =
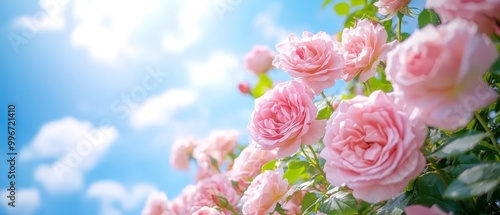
column 415, row 130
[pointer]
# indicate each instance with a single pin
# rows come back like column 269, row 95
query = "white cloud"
column 49, row 17
column 217, row 71
column 190, row 19
column 159, row 110
column 74, row 146
column 105, row 26
column 265, row 22
column 111, row 192
column 27, row 201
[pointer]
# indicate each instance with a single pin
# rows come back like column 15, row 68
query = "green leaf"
column 428, row 190
column 296, row 164
column 339, row 202
column 326, row 3
column 357, row 2
column 459, row 144
column 427, row 17
column 308, row 200
column 397, row 205
column 271, row 165
column 342, row 8
column 293, row 174
column 324, row 113
column 264, row 83
column 462, row 163
column 475, row 181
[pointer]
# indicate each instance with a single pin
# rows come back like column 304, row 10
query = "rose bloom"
column 440, row 71
column 157, row 204
column 313, row 60
column 482, row 12
column 208, row 189
column 373, row 146
column 181, row 151
column 250, row 161
column 207, row 211
column 182, row 204
column 363, row 47
column 391, row 7
column 259, row 60
column 420, row 209
column 284, row 118
column 219, row 144
column 265, row 191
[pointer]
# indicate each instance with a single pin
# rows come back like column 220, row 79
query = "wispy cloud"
column 219, row 70
column 74, row 146
column 265, row 22
column 159, row 110
column 28, row 201
column 110, row 193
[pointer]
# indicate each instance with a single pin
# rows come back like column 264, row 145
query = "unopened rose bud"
column 244, row 87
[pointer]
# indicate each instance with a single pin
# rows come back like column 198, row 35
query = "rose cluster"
column 369, row 144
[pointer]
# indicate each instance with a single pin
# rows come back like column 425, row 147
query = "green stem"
column 318, row 166
column 400, row 22
column 367, row 87
column 326, row 100
column 314, row 162
column 487, row 129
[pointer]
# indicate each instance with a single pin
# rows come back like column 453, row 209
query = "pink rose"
column 373, row 146
column 218, row 145
column 259, row 60
column 440, row 71
column 250, row 161
column 157, row 204
column 207, row 211
column 182, row 204
column 482, row 12
column 363, row 47
column 313, row 60
column 181, row 151
column 420, row 209
column 208, row 189
column 391, row 7
column 265, row 191
column 284, row 118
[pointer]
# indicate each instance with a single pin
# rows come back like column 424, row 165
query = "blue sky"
column 128, row 77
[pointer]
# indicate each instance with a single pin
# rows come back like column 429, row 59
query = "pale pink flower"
column 391, row 7
column 440, row 71
column 363, row 46
column 420, row 209
column 157, row 204
column 259, row 60
column 182, row 204
column 482, row 12
column 313, row 60
column 265, row 191
column 284, row 118
column 181, row 152
column 207, row 211
column 208, row 189
column 218, row 144
column 250, row 161
column 373, row 146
